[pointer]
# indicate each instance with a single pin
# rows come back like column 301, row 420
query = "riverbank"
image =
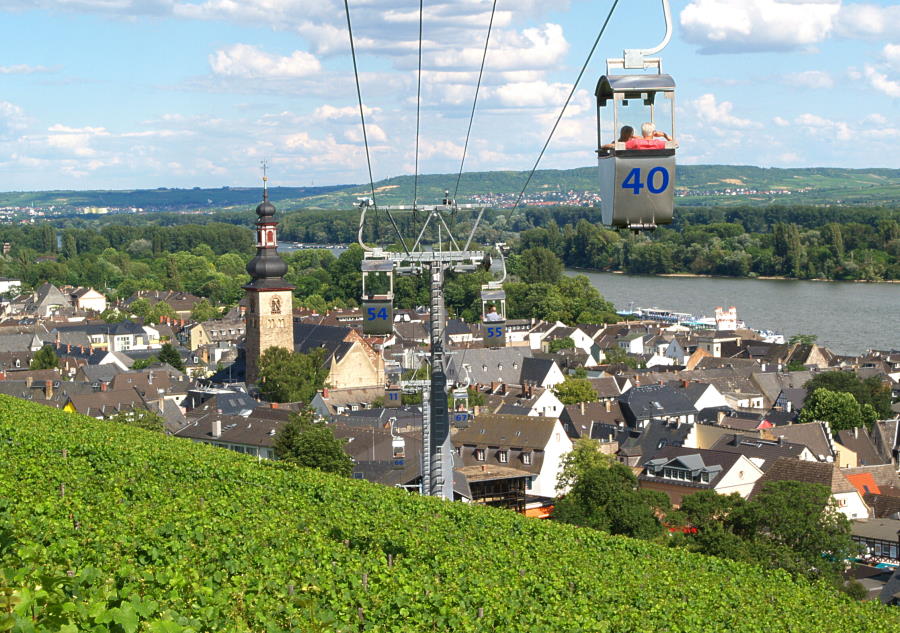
column 761, row 277
column 848, row 318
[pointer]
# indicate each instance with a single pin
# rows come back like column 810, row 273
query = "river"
column 847, row 317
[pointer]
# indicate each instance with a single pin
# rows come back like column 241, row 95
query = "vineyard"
column 109, row 528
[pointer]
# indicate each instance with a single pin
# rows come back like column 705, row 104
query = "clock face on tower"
column 275, row 305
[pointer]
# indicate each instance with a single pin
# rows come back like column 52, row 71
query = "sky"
column 121, row 94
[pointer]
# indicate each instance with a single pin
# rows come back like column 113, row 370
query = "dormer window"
column 503, row 456
column 479, row 454
column 526, row 458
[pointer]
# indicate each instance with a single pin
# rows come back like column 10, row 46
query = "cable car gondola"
column 637, row 186
column 377, row 305
column 493, row 314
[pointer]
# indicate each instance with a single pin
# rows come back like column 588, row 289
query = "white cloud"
column 863, row 20
column 780, row 122
column 719, row 115
column 820, row 127
column 532, row 94
column 882, row 83
column 734, row 26
column 810, row 79
column 246, row 61
column 23, row 69
column 891, row 54
column 374, row 133
column 329, row 112
column 508, row 50
column 12, row 119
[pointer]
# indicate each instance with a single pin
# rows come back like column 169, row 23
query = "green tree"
column 140, row 308
column 144, row 363
column 618, row 356
column 604, row 496
column 575, row 390
column 797, row 526
column 168, row 354
column 311, row 443
column 840, row 409
column 141, row 419
column 291, row 377
column 112, row 315
column 803, row 339
column 205, row 311
column 870, row 391
column 160, row 310
column 559, row 344
column 45, row 358
column 539, row 265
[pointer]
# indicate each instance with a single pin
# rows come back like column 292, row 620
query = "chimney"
column 581, row 404
column 856, row 432
column 684, row 383
column 274, row 405
column 780, row 440
column 68, row 348
column 28, row 381
column 48, row 389
column 637, row 381
column 720, row 417
column 325, row 392
column 2, row 375
column 217, row 428
column 103, row 386
column 608, row 406
column 483, row 467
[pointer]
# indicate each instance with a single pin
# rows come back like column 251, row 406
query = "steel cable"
column 566, row 104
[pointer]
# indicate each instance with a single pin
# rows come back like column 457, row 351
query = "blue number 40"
column 633, row 180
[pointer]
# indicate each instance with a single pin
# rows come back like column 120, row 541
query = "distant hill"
column 699, row 185
column 107, row 527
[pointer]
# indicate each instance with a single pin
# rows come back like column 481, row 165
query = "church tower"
column 269, row 307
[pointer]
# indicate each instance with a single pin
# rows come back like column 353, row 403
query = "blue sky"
column 115, row 94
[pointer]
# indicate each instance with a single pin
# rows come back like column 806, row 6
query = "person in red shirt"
column 649, row 139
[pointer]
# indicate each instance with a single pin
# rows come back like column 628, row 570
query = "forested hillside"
column 108, row 528
column 697, row 185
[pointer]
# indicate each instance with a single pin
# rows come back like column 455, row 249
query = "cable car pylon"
column 437, row 465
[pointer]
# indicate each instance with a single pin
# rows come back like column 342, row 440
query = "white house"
column 88, row 299
column 679, row 471
column 517, row 446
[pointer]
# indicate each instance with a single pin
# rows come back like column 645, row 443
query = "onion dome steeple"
column 267, row 268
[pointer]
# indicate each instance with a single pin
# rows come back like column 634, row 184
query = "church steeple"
column 267, row 268
column 269, row 315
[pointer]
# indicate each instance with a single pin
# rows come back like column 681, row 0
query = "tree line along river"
column 847, row 317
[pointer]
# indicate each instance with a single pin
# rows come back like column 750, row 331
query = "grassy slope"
column 182, row 536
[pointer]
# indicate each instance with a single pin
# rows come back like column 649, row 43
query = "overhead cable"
column 475, row 100
column 362, row 117
column 568, row 99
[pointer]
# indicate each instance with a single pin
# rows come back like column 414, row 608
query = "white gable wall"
column 557, row 447
column 740, row 478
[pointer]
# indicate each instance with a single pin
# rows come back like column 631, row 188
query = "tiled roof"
column 788, row 469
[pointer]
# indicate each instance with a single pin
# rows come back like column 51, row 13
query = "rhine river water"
column 847, row 317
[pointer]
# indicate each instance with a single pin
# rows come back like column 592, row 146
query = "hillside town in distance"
column 722, row 409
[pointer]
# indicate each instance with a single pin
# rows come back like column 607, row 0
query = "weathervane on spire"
column 265, row 168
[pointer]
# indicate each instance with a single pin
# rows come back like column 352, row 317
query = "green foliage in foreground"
column 108, row 528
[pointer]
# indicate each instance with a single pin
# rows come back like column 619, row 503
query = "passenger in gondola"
column 492, row 316
column 650, row 138
column 625, row 135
